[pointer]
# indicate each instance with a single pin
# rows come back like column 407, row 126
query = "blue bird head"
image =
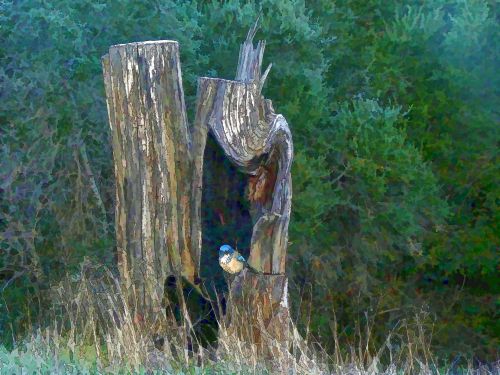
column 225, row 249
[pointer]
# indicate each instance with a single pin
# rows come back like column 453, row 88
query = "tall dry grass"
column 91, row 321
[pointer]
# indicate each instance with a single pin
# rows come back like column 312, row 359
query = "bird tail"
column 250, row 268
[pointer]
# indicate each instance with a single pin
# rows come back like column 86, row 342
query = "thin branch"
column 93, row 184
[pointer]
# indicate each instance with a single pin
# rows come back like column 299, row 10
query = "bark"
column 259, row 142
column 259, row 312
column 157, row 170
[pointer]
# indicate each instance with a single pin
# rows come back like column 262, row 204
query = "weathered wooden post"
column 157, row 170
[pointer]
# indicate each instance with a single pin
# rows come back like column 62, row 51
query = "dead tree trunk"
column 259, row 142
column 157, row 170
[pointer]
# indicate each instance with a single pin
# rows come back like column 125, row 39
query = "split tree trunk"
column 157, row 170
column 259, row 142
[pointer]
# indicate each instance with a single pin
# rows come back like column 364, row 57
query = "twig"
column 93, row 185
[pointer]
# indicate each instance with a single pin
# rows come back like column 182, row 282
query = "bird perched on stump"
column 230, row 260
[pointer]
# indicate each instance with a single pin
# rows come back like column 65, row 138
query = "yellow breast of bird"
column 233, row 266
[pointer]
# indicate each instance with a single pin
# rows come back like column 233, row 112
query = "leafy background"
column 394, row 110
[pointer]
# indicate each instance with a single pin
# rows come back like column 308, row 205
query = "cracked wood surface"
column 255, row 139
column 158, row 188
column 259, row 142
column 158, row 170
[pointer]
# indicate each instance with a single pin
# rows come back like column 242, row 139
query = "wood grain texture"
column 259, row 312
column 259, row 142
column 255, row 139
column 157, row 169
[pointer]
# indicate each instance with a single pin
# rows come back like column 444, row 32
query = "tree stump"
column 259, row 142
column 158, row 169
column 158, row 162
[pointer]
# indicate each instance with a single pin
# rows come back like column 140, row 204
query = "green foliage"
column 33, row 359
column 378, row 195
column 393, row 108
column 436, row 60
column 371, row 205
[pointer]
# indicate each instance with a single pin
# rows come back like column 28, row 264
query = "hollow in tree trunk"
column 259, row 142
column 158, row 169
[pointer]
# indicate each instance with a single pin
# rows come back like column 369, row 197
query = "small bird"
column 230, row 260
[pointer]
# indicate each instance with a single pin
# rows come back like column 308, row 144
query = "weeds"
column 93, row 330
